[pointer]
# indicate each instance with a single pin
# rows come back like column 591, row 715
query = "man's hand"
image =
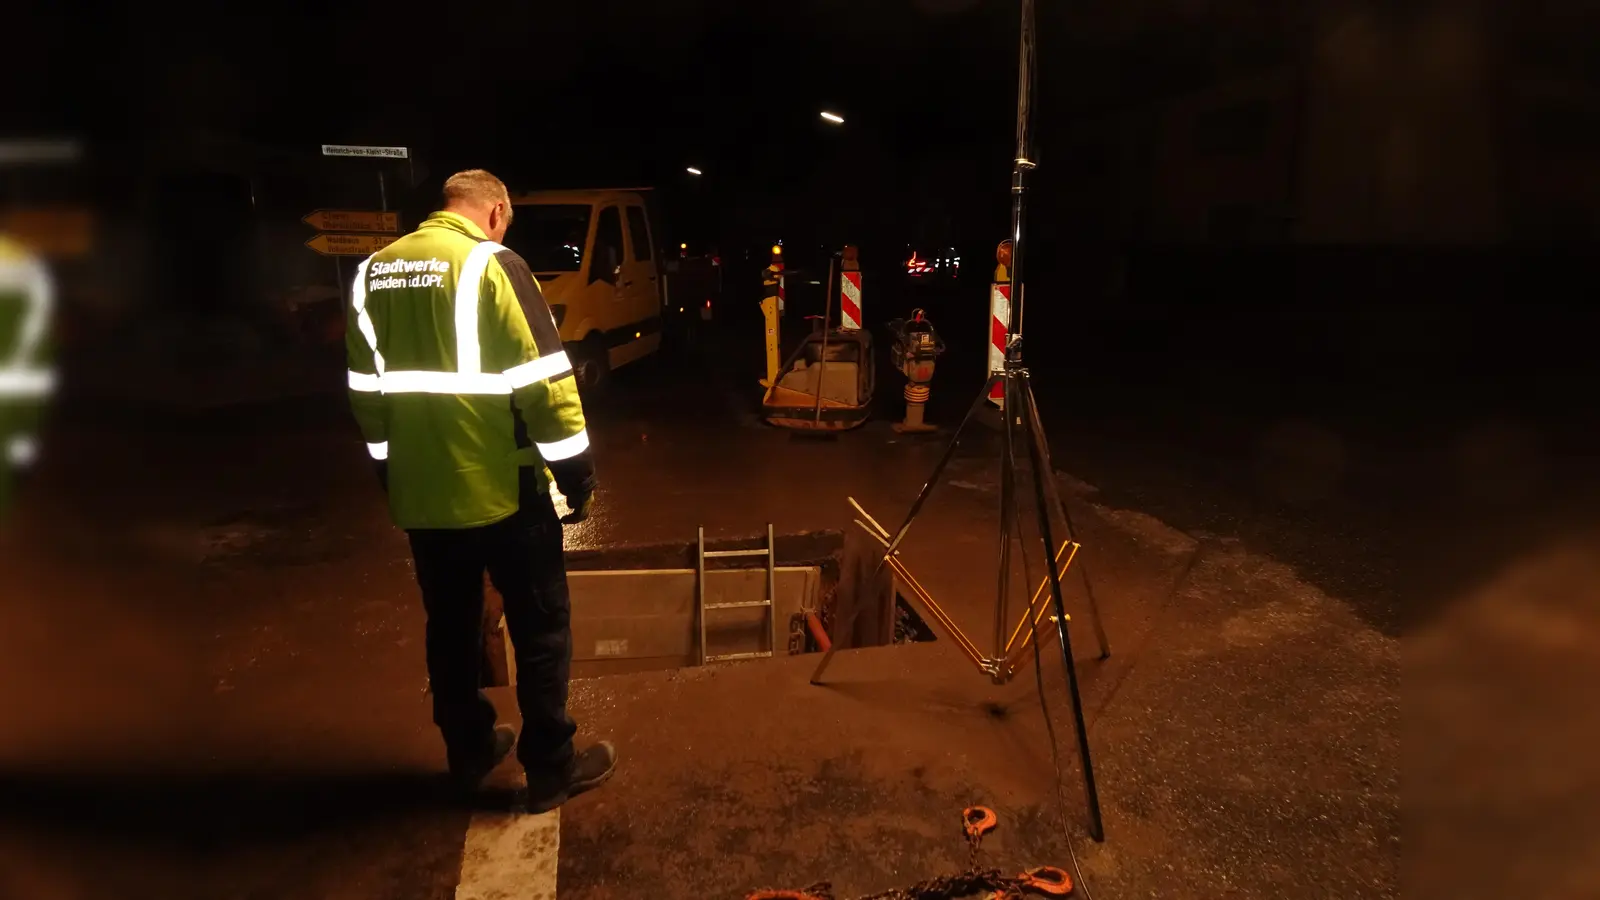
column 580, row 509
column 574, row 478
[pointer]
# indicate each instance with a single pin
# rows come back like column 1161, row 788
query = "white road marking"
column 510, row 856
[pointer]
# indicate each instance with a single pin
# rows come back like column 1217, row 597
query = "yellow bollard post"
column 771, row 309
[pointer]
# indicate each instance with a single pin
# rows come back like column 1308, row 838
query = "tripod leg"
column 1054, row 492
column 1008, row 502
column 843, row 629
column 940, row 466
column 1040, row 475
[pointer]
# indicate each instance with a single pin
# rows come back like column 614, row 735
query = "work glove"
column 576, row 480
column 580, row 508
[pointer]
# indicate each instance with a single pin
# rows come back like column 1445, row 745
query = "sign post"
column 360, row 151
column 54, row 230
column 338, row 245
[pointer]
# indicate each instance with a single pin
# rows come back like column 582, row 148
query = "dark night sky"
column 633, row 91
column 623, row 92
column 730, row 86
column 616, row 92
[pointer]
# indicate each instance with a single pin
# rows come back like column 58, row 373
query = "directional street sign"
column 53, row 232
column 356, row 150
column 353, row 220
column 350, row 244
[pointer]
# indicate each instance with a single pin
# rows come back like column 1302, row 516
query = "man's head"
column 482, row 198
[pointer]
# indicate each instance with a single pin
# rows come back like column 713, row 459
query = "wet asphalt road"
column 1396, row 481
column 1335, row 495
column 1396, row 457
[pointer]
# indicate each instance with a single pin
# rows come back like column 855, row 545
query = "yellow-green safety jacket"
column 458, row 379
column 27, row 295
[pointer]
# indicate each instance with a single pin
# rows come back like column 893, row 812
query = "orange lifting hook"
column 1047, row 880
column 980, row 820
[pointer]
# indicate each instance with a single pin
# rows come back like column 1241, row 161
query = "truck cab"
column 594, row 254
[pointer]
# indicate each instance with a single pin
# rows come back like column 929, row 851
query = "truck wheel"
column 592, row 366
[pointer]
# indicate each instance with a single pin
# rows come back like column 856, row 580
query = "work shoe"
column 468, row 776
column 590, row 769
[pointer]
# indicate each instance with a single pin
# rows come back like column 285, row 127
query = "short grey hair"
column 475, row 187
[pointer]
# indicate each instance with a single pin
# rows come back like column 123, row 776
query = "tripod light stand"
column 1022, row 422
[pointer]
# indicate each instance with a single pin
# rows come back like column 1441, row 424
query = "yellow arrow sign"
column 353, row 220
column 56, row 233
column 350, row 244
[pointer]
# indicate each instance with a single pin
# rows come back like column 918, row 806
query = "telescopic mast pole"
column 1021, row 165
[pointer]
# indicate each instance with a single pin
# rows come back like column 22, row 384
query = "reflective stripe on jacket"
column 457, row 375
column 27, row 378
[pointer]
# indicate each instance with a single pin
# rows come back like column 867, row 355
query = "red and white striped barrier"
column 850, row 301
column 999, row 331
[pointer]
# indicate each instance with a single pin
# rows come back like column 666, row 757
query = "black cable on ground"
column 1044, row 706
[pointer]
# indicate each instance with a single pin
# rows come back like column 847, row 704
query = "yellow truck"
column 596, row 258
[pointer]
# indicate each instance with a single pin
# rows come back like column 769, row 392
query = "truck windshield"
column 549, row 237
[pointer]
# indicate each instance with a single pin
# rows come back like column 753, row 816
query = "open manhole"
column 636, row 608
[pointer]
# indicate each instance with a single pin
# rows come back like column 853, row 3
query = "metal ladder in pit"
column 701, row 555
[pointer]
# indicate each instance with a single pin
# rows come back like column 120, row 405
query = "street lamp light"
column 693, row 171
column 834, row 118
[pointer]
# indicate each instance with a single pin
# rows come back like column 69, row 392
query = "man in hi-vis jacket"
column 469, row 409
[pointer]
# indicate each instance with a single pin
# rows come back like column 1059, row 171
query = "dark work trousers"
column 524, row 559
